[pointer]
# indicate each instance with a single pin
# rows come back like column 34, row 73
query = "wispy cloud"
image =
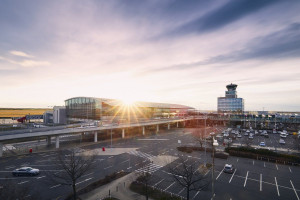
column 20, row 53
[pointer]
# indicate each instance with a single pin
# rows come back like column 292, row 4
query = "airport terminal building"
column 230, row 103
column 80, row 108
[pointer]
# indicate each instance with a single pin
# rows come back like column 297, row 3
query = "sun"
column 128, row 102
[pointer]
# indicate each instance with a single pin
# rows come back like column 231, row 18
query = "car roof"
column 228, row 165
column 25, row 167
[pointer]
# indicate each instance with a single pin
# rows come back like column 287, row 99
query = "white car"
column 281, row 141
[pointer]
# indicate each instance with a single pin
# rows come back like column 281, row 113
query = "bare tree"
column 189, row 176
column 144, row 174
column 71, row 167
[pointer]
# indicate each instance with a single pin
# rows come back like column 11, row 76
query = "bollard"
column 30, row 150
column 109, row 193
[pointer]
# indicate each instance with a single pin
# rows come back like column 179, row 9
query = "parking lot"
column 271, row 141
column 252, row 179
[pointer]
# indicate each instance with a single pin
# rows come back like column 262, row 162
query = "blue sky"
column 169, row 51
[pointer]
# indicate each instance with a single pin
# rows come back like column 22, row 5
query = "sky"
column 170, row 51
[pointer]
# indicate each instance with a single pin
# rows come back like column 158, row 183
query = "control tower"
column 231, row 93
column 231, row 103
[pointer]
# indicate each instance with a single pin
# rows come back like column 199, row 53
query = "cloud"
column 282, row 44
column 33, row 63
column 20, row 53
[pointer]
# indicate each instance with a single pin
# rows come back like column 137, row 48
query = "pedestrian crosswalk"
column 149, row 168
column 141, row 154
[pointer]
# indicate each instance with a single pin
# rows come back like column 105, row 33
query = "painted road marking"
column 276, row 167
column 108, row 167
column 237, row 160
column 23, row 182
column 110, row 157
column 264, row 164
column 219, row 175
column 169, row 186
column 196, row 195
column 158, row 182
column 87, row 174
column 294, row 189
column 40, row 177
column 253, row 162
column 54, row 186
column 277, row 187
column 260, row 186
column 290, row 169
column 124, row 161
column 246, row 179
column 232, row 175
column 83, row 181
column 206, row 172
column 181, row 190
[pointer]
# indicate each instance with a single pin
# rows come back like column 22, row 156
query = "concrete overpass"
column 15, row 138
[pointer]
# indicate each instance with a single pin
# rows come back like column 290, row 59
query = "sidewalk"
column 118, row 188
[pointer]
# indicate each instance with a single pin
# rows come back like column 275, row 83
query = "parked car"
column 251, row 137
column 281, row 141
column 239, row 135
column 25, row 171
column 228, row 169
column 266, row 136
column 262, row 144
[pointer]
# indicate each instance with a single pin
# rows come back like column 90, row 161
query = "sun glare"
column 128, row 102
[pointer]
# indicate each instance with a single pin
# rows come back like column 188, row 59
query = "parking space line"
column 294, row 189
column 253, row 162
column 158, row 182
column 54, row 186
column 237, row 160
column 169, row 186
column 108, row 167
column 40, row 177
column 276, row 167
column 277, row 186
column 196, row 195
column 260, row 186
column 23, row 182
column 246, row 179
column 219, row 175
column 290, row 169
column 206, row 172
column 181, row 191
column 264, row 164
column 232, row 175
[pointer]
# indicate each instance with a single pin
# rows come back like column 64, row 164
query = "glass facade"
column 96, row 108
column 230, row 103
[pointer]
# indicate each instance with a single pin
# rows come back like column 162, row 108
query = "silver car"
column 26, row 171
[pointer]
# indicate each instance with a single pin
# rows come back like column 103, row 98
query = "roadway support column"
column 95, row 136
column 57, row 142
column 143, row 130
column 177, row 125
column 123, row 133
column 1, row 149
column 157, row 128
column 49, row 140
column 169, row 126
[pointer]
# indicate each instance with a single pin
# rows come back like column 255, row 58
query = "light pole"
column 110, row 138
column 205, row 139
column 215, row 143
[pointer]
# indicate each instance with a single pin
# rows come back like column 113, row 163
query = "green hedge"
column 254, row 153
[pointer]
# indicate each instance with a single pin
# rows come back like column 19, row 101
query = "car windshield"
column 227, row 167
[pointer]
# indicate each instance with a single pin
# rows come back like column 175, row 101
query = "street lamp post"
column 215, row 143
column 205, row 139
column 110, row 138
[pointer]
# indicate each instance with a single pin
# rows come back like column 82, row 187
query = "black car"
column 25, row 171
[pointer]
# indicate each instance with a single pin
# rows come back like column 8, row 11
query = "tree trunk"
column 146, row 191
column 74, row 191
column 188, row 193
